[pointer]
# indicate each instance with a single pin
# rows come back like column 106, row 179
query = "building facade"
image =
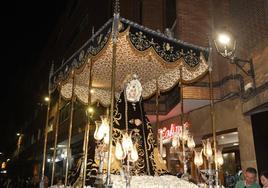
column 196, row 22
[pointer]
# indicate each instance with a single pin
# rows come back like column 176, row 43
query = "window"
column 39, row 134
column 50, row 124
column 64, row 113
column 170, row 13
column 72, row 37
column 73, row 8
column 58, row 36
column 84, row 23
column 32, row 139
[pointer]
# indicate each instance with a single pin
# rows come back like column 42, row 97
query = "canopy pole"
column 157, row 116
column 88, row 124
column 83, row 165
column 157, row 103
column 70, row 130
column 46, row 127
column 212, row 116
column 56, row 137
column 108, row 182
column 182, row 124
column 108, row 178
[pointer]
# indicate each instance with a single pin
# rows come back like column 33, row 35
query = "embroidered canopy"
column 151, row 55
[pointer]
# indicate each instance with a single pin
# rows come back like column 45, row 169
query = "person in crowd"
column 46, row 181
column 179, row 171
column 229, row 179
column 264, row 179
column 239, row 174
column 7, row 183
column 59, row 182
column 35, row 181
column 250, row 179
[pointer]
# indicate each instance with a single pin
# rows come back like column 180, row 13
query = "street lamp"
column 90, row 111
column 226, row 45
column 46, row 99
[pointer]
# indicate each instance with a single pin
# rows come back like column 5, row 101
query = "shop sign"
column 168, row 133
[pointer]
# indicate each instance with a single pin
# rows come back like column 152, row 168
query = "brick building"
column 195, row 22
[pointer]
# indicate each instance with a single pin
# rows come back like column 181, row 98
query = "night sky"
column 25, row 29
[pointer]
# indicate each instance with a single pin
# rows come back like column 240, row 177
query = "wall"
column 228, row 115
column 197, row 21
column 260, row 59
column 152, row 14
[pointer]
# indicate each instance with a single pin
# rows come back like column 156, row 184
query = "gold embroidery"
column 158, row 164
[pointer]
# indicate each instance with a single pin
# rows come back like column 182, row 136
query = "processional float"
column 119, row 49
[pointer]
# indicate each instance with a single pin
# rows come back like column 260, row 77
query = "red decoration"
column 173, row 130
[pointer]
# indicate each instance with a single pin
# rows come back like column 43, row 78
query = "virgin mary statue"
column 130, row 119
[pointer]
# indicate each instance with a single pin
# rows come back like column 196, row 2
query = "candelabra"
column 101, row 134
column 182, row 135
column 126, row 152
column 209, row 175
column 179, row 137
column 183, row 138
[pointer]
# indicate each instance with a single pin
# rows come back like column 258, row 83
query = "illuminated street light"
column 4, row 165
column 90, row 110
column 226, row 45
column 46, row 99
column 18, row 134
column 1, row 153
column 224, row 38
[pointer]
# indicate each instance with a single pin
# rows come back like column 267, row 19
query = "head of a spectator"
column 35, row 179
column 59, row 180
column 264, row 178
column 250, row 175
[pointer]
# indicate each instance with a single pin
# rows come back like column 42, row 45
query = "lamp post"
column 212, row 154
column 226, row 45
